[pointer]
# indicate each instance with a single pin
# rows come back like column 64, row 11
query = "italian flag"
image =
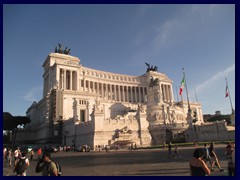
column 182, row 86
column 226, row 93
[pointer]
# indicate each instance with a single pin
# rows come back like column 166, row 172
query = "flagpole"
column 177, row 94
column 189, row 110
column 196, row 95
column 229, row 96
column 182, row 101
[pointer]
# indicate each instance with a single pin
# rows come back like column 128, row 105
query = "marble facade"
column 81, row 105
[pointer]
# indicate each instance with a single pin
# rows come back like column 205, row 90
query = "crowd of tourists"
column 204, row 161
column 19, row 162
column 207, row 154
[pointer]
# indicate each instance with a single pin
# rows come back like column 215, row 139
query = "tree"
column 11, row 124
column 220, row 118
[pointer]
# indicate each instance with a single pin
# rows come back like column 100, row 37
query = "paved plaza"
column 125, row 163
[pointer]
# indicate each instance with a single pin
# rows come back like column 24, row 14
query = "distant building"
column 81, row 105
column 217, row 113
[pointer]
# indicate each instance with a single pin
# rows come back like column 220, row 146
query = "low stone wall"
column 216, row 131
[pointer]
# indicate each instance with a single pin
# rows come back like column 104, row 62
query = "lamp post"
column 60, row 129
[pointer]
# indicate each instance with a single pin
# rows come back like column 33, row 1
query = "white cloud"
column 33, row 94
column 182, row 26
column 215, row 77
column 167, row 33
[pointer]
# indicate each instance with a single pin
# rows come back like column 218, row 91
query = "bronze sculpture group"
column 151, row 68
column 61, row 51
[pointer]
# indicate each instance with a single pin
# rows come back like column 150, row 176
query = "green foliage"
column 11, row 122
column 220, row 118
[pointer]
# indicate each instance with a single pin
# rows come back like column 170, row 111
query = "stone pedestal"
column 145, row 137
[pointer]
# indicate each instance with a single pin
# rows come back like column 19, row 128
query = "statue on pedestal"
column 61, row 51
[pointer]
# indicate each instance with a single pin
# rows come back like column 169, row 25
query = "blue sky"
column 119, row 39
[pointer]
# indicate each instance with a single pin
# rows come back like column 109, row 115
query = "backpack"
column 58, row 166
column 205, row 153
column 7, row 153
column 21, row 166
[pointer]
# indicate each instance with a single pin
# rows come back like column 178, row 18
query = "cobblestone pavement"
column 125, row 163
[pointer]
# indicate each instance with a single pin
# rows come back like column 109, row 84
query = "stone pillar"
column 98, row 121
column 122, row 90
column 97, row 87
column 171, row 91
column 144, row 94
column 135, row 94
column 131, row 92
column 139, row 95
column 71, row 80
column 106, row 94
column 165, row 92
column 62, row 79
column 168, row 92
column 123, row 93
column 93, row 86
column 78, row 82
column 103, row 92
column 145, row 137
column 57, row 77
column 65, row 82
column 84, row 84
column 111, row 92
column 115, row 92
column 119, row 93
column 127, row 94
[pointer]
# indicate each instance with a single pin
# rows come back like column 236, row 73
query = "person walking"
column 197, row 166
column 230, row 152
column 169, row 149
column 4, row 155
column 9, row 157
column 46, row 165
column 206, row 155
column 214, row 157
column 16, row 155
column 31, row 154
column 176, row 153
column 21, row 165
column 39, row 153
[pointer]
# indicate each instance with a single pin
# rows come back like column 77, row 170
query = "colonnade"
column 115, row 92
column 167, row 95
column 68, row 80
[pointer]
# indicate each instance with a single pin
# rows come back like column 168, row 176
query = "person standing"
column 21, row 165
column 197, row 166
column 169, row 149
column 31, row 154
column 9, row 158
column 214, row 157
column 206, row 155
column 46, row 165
column 231, row 159
column 5, row 156
column 39, row 153
column 195, row 144
column 176, row 154
column 16, row 155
